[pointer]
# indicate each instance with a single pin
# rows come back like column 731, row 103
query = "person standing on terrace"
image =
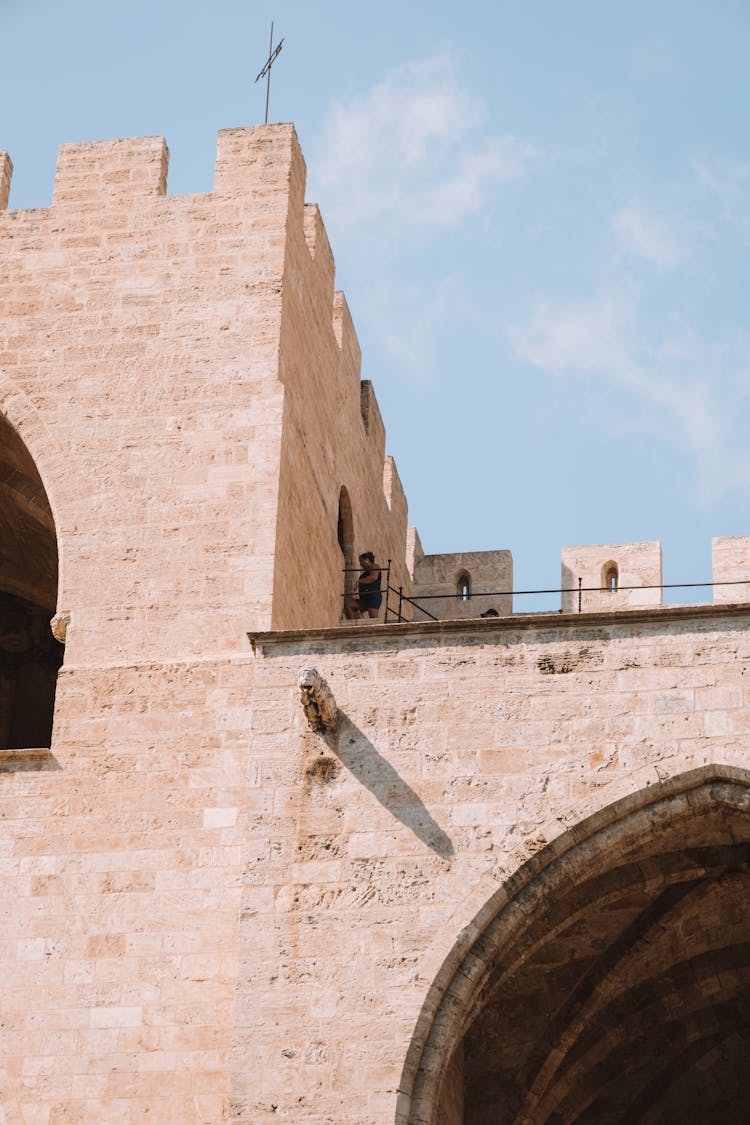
column 369, row 596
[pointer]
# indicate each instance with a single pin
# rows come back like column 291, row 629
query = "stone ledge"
column 561, row 622
column 27, row 758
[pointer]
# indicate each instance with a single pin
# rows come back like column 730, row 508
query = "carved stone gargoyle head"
column 317, row 700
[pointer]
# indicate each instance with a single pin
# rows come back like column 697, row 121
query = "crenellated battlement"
column 254, row 162
column 216, row 314
column 259, row 186
column 112, row 173
column 316, row 238
column 203, row 331
column 593, row 578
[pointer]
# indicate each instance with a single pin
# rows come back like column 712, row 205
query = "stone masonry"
column 261, row 864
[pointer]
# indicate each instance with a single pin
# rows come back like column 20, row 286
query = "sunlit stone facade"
column 492, row 870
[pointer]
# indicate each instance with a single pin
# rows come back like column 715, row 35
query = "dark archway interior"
column 345, row 536
column 29, row 655
column 627, row 998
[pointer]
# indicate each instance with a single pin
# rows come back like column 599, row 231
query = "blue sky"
column 540, row 214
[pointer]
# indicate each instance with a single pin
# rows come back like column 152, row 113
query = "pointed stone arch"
column 463, row 585
column 596, row 983
column 610, row 576
column 30, row 426
column 30, row 656
column 51, row 461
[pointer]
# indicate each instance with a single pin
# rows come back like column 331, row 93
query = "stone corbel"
column 59, row 626
column 317, row 700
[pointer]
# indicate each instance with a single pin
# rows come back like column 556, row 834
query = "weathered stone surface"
column 317, row 700
column 627, row 574
column 730, row 558
column 455, row 902
column 457, row 586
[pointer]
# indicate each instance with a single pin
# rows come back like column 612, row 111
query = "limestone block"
column 730, row 557
column 107, row 173
column 263, row 165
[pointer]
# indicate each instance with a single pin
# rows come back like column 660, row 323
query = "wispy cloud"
column 408, row 170
column 405, row 166
column 564, row 337
column 410, row 154
column 727, row 183
column 668, row 383
column 411, row 320
column 653, row 239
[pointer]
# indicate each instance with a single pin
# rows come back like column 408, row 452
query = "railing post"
column 580, row 596
column 387, row 590
column 400, row 602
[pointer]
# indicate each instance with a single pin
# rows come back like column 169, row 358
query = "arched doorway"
column 609, row 983
column 345, row 536
column 30, row 657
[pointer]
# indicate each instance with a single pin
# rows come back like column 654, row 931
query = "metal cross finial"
column 266, row 71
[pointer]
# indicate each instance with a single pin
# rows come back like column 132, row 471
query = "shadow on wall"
column 371, row 769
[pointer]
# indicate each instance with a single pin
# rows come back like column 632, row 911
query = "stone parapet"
column 611, row 575
column 731, row 564
column 113, row 173
column 199, row 333
column 464, row 584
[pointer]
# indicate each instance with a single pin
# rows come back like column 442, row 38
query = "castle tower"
column 263, row 865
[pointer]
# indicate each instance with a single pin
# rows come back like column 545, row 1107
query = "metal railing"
column 396, row 612
column 384, row 570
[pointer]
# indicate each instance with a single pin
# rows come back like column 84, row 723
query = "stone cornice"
column 483, row 628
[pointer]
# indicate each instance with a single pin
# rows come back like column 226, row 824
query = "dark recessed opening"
column 30, row 657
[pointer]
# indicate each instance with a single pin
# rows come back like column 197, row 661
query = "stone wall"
column 121, row 863
column 213, row 913
column 158, row 354
column 627, row 574
column 463, row 750
column 142, row 331
column 462, row 585
column 334, row 437
column 217, row 912
column 730, row 557
column 169, row 348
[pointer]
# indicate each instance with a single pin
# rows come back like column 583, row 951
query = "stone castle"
column 264, row 864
